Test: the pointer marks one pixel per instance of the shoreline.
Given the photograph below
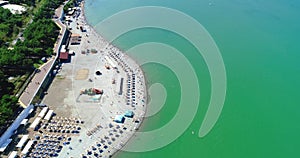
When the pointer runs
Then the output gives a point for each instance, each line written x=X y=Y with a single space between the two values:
x=94 y=84
x=131 y=58
x=92 y=32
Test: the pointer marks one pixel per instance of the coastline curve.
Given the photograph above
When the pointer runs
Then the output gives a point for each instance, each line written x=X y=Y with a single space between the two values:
x=187 y=27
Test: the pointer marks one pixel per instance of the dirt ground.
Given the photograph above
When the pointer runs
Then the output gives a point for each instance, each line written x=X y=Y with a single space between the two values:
x=82 y=74
x=59 y=90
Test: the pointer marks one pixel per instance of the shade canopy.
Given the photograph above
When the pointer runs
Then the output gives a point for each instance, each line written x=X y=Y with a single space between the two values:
x=119 y=119
x=129 y=113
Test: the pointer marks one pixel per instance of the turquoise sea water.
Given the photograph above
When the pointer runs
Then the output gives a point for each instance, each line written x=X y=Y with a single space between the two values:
x=259 y=42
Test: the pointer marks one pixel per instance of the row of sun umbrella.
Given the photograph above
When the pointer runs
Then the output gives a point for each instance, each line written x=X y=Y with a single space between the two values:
x=49 y=144
x=66 y=120
x=70 y=126
x=118 y=58
x=100 y=147
x=131 y=98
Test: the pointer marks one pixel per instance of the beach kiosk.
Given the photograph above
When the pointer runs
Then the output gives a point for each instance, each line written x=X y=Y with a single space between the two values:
x=119 y=119
x=63 y=54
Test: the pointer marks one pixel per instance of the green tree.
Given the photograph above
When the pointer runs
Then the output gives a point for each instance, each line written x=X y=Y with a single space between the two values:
x=9 y=24
x=27 y=2
x=7 y=106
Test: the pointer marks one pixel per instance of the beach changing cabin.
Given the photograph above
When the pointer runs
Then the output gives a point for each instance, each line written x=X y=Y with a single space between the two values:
x=35 y=123
x=13 y=154
x=27 y=147
x=22 y=141
x=43 y=112
x=49 y=115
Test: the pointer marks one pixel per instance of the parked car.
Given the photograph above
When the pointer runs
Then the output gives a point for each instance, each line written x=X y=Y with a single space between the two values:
x=41 y=105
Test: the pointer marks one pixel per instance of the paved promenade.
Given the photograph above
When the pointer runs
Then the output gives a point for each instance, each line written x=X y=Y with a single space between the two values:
x=34 y=85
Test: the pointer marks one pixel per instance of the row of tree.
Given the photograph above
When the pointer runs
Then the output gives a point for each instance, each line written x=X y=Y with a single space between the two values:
x=48 y=9
x=39 y=39
x=27 y=2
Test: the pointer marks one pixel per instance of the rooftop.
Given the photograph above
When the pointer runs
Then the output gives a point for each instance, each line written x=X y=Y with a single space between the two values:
x=14 y=8
x=64 y=55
